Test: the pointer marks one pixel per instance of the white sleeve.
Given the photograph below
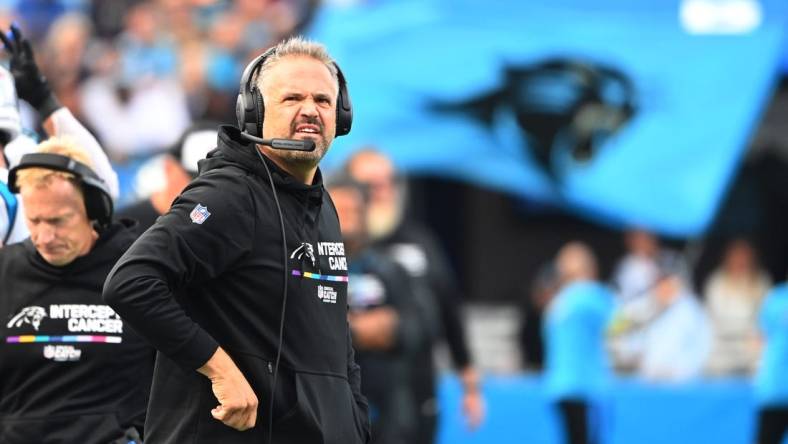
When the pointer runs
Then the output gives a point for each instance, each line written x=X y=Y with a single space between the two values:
x=15 y=230
x=17 y=148
x=19 y=229
x=67 y=125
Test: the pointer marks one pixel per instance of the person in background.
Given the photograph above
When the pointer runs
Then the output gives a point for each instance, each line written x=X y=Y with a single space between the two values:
x=666 y=335
x=771 y=380
x=387 y=324
x=733 y=295
x=25 y=79
x=13 y=145
x=125 y=104
x=176 y=169
x=63 y=54
x=577 y=368
x=636 y=272
x=415 y=248
x=71 y=370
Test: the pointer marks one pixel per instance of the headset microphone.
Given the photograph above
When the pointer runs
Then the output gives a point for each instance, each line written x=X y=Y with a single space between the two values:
x=282 y=144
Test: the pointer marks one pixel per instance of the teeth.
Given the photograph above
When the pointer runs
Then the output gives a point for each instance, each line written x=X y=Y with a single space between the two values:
x=307 y=130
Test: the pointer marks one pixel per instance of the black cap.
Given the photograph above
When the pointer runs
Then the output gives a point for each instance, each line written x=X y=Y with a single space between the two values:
x=194 y=144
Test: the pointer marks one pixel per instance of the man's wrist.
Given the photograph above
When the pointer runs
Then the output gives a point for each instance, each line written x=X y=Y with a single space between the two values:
x=215 y=364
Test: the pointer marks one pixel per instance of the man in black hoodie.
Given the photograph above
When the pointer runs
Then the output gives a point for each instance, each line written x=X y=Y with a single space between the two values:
x=242 y=285
x=70 y=369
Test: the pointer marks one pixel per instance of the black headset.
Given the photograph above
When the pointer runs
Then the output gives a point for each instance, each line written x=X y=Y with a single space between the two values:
x=250 y=109
x=98 y=201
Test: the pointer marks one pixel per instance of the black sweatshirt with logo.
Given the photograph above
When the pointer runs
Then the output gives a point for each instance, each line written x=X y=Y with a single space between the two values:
x=70 y=369
x=210 y=272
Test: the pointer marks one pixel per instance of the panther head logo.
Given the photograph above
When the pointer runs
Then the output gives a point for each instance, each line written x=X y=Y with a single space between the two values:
x=29 y=315
x=305 y=251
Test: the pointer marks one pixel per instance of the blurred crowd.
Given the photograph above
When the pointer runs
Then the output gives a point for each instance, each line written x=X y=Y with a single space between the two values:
x=113 y=62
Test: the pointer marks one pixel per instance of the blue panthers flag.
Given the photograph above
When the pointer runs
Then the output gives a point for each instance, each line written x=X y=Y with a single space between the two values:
x=488 y=92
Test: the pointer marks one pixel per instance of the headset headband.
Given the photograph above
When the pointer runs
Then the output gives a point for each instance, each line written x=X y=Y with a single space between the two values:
x=250 y=109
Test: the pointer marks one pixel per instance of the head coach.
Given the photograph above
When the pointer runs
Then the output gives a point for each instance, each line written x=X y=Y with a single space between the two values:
x=242 y=285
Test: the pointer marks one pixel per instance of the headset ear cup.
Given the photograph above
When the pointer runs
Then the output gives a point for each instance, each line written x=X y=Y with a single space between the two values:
x=344 y=115
x=98 y=204
x=246 y=116
x=240 y=113
x=259 y=110
x=91 y=206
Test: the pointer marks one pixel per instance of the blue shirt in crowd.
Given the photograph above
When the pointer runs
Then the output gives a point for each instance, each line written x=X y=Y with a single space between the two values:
x=771 y=382
x=576 y=363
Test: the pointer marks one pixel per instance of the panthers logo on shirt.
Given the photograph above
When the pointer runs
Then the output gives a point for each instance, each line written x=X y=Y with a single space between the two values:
x=29 y=315
x=305 y=251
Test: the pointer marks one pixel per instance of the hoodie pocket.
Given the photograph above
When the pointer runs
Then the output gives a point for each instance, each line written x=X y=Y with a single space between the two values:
x=299 y=424
x=259 y=374
x=326 y=412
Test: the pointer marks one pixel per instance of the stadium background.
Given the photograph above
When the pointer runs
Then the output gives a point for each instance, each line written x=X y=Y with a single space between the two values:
x=446 y=87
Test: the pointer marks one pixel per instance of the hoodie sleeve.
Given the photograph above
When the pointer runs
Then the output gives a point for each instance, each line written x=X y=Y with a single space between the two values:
x=204 y=233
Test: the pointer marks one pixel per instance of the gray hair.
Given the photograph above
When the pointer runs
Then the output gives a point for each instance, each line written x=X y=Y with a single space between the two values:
x=297 y=46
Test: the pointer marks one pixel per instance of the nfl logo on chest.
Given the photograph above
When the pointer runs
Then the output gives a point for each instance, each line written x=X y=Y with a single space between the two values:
x=199 y=214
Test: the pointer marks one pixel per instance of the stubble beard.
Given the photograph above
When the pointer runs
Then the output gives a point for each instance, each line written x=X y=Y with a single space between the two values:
x=307 y=158
x=304 y=158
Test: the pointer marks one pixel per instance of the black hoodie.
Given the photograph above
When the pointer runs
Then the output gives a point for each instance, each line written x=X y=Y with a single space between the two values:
x=70 y=369
x=210 y=272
